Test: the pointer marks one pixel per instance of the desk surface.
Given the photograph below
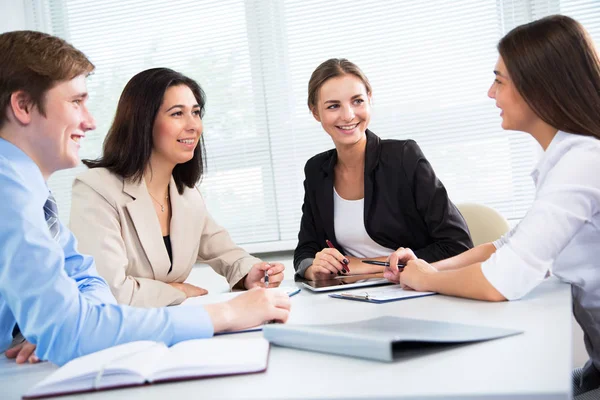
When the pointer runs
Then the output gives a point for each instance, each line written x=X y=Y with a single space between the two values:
x=535 y=364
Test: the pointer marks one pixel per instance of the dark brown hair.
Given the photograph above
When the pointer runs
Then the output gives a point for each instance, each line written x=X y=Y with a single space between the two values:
x=555 y=68
x=128 y=144
x=332 y=68
x=34 y=62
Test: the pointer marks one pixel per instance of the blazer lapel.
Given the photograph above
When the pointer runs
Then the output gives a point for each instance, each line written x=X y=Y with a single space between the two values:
x=147 y=226
x=372 y=154
x=325 y=200
x=185 y=229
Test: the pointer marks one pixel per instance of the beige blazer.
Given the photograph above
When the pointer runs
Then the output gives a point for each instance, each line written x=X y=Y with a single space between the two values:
x=115 y=222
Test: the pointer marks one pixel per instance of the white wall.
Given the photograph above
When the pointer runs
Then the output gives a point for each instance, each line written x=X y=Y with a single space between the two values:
x=12 y=15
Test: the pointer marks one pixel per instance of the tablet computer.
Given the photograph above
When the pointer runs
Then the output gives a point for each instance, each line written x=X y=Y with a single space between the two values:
x=344 y=282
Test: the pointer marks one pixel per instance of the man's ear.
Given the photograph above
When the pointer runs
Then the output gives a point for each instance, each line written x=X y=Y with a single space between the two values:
x=21 y=106
x=315 y=113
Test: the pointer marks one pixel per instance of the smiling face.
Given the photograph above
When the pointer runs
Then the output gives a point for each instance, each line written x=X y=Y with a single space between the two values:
x=344 y=109
x=516 y=113
x=55 y=143
x=177 y=127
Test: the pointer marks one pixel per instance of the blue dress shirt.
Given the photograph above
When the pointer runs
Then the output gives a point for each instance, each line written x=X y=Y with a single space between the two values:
x=54 y=293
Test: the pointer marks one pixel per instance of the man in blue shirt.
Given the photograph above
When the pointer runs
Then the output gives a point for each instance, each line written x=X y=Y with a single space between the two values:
x=48 y=291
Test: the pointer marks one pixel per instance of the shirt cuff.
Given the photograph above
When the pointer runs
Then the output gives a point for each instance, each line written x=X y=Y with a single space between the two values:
x=510 y=274
x=498 y=243
x=303 y=266
x=189 y=323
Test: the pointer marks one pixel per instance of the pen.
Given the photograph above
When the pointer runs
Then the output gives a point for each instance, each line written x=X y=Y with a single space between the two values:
x=266 y=278
x=346 y=262
x=382 y=263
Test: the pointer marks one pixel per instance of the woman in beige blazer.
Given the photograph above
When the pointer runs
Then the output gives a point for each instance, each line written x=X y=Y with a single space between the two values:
x=137 y=210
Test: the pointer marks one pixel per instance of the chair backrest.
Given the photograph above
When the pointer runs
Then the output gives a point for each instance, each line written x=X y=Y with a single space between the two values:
x=485 y=223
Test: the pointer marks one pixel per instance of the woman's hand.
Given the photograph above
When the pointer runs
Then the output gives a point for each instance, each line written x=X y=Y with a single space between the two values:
x=401 y=256
x=328 y=262
x=417 y=275
x=252 y=308
x=189 y=290
x=23 y=352
x=256 y=276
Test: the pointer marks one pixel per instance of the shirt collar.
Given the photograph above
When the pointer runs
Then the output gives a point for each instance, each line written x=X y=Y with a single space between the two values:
x=25 y=167
x=550 y=157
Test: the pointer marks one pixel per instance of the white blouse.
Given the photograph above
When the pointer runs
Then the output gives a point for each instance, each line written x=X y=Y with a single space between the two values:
x=350 y=232
x=560 y=233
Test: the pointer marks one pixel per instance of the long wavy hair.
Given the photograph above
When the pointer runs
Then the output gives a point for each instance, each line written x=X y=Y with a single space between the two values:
x=128 y=143
x=556 y=69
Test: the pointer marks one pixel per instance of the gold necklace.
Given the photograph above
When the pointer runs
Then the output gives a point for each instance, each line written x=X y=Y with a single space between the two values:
x=162 y=206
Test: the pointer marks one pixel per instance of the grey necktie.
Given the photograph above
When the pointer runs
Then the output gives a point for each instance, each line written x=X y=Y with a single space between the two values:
x=51 y=214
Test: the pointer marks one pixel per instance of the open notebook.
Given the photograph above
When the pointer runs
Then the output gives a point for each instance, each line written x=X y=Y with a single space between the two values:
x=142 y=362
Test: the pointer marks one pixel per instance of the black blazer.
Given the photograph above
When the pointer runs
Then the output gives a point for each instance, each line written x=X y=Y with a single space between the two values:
x=406 y=205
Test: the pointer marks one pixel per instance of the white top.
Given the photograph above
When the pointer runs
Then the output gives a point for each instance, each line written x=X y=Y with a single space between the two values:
x=349 y=228
x=559 y=234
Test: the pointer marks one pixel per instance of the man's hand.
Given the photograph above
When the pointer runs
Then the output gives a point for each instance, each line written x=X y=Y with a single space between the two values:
x=250 y=309
x=23 y=352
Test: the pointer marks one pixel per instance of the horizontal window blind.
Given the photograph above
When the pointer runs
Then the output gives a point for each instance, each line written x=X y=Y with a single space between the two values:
x=208 y=41
x=430 y=65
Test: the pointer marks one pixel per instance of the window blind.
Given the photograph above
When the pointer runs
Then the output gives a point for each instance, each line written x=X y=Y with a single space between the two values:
x=430 y=65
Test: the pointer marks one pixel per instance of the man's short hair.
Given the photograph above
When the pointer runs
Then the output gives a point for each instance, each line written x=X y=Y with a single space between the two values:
x=35 y=62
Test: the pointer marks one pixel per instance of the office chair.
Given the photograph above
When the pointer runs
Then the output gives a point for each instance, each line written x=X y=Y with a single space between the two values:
x=485 y=223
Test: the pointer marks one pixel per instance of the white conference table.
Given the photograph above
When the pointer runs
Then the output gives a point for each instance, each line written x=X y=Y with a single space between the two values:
x=532 y=365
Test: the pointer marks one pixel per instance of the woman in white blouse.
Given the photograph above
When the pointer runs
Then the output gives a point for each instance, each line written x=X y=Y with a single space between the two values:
x=548 y=85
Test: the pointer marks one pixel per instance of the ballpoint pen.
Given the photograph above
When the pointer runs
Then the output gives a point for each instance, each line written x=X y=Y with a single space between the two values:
x=346 y=262
x=266 y=278
x=382 y=263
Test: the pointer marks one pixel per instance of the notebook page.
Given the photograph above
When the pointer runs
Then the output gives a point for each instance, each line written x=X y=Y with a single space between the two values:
x=143 y=363
x=388 y=293
x=81 y=373
x=222 y=297
x=216 y=356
